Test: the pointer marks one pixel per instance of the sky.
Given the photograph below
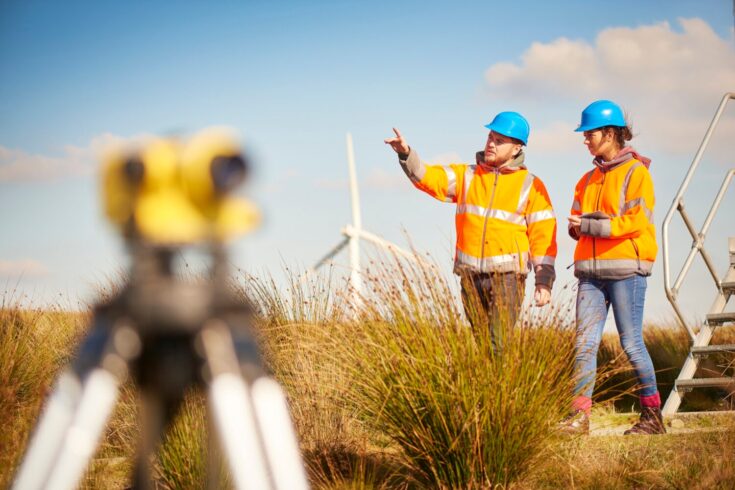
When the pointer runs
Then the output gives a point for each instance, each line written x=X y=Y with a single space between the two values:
x=294 y=77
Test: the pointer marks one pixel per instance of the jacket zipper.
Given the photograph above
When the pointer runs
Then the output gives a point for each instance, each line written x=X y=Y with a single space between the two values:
x=487 y=213
x=594 y=244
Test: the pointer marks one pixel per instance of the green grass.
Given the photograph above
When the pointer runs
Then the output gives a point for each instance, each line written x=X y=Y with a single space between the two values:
x=462 y=415
x=668 y=348
x=700 y=460
x=402 y=394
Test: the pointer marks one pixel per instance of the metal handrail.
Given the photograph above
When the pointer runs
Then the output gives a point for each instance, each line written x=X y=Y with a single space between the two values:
x=698 y=237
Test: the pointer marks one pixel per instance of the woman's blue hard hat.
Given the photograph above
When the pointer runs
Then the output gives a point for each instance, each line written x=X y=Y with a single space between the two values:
x=601 y=113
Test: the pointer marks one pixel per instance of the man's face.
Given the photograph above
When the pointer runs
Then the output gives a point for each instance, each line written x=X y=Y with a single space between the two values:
x=499 y=149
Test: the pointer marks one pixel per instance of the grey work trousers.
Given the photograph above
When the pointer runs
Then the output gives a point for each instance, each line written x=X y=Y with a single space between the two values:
x=492 y=301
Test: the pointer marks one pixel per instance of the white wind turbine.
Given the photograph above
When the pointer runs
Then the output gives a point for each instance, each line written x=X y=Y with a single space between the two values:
x=353 y=232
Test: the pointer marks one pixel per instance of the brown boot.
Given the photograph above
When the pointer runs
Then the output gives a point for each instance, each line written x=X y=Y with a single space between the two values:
x=576 y=423
x=651 y=422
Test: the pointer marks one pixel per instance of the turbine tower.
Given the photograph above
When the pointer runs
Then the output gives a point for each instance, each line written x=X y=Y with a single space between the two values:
x=353 y=232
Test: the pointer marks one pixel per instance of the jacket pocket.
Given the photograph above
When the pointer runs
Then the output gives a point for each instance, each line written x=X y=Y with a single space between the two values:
x=637 y=254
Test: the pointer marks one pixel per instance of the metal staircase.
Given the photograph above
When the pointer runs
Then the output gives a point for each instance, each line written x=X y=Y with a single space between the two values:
x=717 y=315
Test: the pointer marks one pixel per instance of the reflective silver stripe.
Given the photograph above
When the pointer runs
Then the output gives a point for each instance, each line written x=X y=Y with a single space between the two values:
x=525 y=192
x=514 y=218
x=540 y=216
x=586 y=183
x=626 y=182
x=638 y=201
x=451 y=183
x=613 y=267
x=628 y=205
x=576 y=206
x=469 y=173
x=495 y=263
x=471 y=209
x=543 y=260
x=500 y=214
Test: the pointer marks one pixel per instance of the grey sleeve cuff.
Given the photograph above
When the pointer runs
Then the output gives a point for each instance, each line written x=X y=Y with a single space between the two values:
x=596 y=227
x=545 y=275
x=412 y=166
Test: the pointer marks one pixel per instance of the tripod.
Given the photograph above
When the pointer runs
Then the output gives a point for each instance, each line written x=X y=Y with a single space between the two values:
x=169 y=335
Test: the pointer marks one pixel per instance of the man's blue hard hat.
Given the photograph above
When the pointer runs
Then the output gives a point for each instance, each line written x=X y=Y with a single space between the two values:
x=512 y=125
x=601 y=113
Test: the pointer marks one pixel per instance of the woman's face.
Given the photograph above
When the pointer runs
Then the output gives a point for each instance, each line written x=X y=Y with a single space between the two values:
x=599 y=142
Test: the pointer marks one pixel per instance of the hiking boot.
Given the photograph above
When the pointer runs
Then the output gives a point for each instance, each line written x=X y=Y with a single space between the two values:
x=576 y=423
x=651 y=422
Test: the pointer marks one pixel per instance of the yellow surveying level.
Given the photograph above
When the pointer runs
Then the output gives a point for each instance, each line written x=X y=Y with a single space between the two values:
x=167 y=333
x=173 y=192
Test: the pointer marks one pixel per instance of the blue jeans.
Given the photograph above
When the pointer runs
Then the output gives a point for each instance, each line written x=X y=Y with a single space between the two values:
x=594 y=298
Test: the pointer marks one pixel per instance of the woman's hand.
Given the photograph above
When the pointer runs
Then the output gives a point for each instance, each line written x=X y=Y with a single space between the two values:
x=575 y=224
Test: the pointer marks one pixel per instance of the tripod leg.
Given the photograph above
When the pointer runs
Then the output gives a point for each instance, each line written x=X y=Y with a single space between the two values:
x=95 y=406
x=56 y=418
x=233 y=412
x=156 y=416
x=271 y=419
x=279 y=438
x=63 y=406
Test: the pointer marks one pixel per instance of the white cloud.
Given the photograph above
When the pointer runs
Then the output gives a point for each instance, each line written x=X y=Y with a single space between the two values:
x=22 y=268
x=17 y=165
x=669 y=81
x=379 y=178
x=557 y=138
x=446 y=159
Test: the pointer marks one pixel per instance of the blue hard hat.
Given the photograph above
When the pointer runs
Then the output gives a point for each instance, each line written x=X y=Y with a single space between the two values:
x=601 y=113
x=510 y=124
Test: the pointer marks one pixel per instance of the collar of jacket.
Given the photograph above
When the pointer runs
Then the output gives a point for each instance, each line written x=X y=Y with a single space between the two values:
x=625 y=155
x=508 y=167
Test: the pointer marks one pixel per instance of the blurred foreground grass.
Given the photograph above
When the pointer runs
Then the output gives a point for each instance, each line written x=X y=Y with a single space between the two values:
x=401 y=394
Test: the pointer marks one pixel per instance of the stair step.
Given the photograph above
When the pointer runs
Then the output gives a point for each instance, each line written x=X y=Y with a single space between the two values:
x=720 y=318
x=728 y=287
x=705 y=382
x=712 y=349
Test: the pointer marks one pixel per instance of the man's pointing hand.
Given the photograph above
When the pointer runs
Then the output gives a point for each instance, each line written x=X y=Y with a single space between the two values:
x=398 y=144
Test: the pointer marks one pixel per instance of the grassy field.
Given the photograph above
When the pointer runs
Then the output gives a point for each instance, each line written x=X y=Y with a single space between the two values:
x=403 y=394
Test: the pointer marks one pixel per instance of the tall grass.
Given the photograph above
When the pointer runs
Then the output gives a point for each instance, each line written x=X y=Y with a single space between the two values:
x=462 y=415
x=398 y=393
x=298 y=329
x=183 y=457
x=33 y=345
x=668 y=348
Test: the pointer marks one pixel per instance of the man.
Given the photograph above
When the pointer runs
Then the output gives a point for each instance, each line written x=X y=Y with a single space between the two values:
x=505 y=222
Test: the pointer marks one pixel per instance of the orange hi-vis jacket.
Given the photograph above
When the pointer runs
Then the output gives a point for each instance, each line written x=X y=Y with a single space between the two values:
x=504 y=218
x=617 y=237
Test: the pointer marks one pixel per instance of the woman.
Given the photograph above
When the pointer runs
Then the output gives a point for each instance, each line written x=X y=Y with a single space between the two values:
x=612 y=220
